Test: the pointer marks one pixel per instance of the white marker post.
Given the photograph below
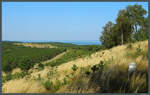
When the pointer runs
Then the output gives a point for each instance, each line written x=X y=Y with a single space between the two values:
x=131 y=69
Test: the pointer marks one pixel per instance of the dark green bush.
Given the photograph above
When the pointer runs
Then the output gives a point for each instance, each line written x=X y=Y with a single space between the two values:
x=74 y=67
x=7 y=77
x=48 y=84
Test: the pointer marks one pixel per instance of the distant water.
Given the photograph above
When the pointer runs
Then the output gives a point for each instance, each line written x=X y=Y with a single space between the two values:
x=72 y=42
x=83 y=42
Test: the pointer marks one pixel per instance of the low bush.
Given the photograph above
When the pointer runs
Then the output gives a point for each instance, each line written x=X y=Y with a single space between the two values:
x=49 y=85
x=7 y=77
x=18 y=75
x=40 y=66
x=74 y=67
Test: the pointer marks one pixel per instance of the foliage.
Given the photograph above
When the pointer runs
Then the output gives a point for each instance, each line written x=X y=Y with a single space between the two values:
x=40 y=66
x=98 y=66
x=74 y=67
x=64 y=81
x=9 y=76
x=49 y=85
x=25 y=57
x=131 y=25
x=74 y=53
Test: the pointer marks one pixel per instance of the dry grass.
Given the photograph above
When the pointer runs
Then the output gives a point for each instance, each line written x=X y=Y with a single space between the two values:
x=23 y=86
x=115 y=58
x=16 y=70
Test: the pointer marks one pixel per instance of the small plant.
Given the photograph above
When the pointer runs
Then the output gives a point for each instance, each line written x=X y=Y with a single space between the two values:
x=7 y=77
x=39 y=77
x=40 y=66
x=48 y=84
x=67 y=76
x=64 y=81
x=97 y=67
x=74 y=67
x=56 y=86
x=18 y=75
x=87 y=72
x=138 y=49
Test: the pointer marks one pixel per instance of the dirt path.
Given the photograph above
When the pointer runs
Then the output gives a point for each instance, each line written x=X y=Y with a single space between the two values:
x=58 y=56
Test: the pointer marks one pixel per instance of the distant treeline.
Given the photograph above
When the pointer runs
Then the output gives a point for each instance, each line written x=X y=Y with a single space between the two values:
x=131 y=26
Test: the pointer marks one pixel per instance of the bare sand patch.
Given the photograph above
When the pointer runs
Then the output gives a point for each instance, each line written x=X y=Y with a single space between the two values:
x=36 y=45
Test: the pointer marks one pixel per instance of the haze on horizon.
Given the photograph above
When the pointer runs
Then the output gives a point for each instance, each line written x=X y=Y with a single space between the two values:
x=58 y=21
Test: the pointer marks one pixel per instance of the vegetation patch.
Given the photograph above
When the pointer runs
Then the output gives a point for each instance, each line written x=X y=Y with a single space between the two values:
x=25 y=57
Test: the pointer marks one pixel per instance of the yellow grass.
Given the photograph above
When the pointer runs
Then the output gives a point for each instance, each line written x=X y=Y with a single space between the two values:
x=118 y=54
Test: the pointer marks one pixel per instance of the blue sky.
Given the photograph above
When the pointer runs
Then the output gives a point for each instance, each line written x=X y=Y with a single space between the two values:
x=57 y=21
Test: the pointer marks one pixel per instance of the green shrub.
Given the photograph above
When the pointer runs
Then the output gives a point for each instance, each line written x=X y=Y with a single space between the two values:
x=138 y=49
x=74 y=67
x=97 y=67
x=40 y=66
x=64 y=81
x=48 y=84
x=18 y=75
x=56 y=86
x=7 y=77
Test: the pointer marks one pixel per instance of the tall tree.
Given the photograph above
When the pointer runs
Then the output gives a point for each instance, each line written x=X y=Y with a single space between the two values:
x=136 y=15
x=124 y=25
x=131 y=25
x=106 y=38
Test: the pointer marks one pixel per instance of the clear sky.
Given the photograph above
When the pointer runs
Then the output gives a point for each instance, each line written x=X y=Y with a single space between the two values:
x=57 y=21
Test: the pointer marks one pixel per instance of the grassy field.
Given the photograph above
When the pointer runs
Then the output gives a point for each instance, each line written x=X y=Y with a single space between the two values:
x=82 y=69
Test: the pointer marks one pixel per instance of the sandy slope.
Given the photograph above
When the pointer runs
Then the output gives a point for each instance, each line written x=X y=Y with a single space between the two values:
x=23 y=85
x=36 y=45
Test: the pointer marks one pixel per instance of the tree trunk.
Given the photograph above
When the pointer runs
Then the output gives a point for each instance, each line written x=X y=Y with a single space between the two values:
x=122 y=37
x=135 y=28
